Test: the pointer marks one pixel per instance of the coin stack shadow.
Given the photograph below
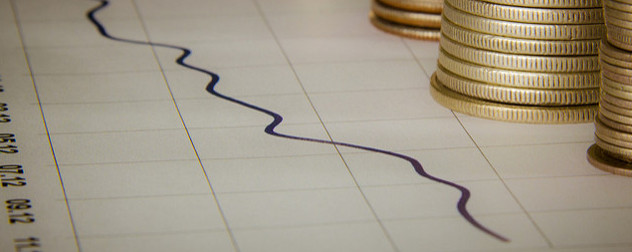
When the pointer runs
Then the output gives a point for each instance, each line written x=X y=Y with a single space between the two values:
x=612 y=151
x=529 y=61
x=418 y=19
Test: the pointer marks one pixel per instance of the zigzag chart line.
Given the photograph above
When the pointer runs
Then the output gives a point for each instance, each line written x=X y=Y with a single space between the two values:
x=277 y=119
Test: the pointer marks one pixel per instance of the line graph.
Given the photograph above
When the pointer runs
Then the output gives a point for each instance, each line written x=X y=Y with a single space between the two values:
x=277 y=120
x=269 y=125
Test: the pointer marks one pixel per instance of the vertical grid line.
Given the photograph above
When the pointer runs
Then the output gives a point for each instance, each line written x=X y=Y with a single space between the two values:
x=155 y=55
x=355 y=182
x=39 y=103
x=428 y=75
x=524 y=210
x=540 y=231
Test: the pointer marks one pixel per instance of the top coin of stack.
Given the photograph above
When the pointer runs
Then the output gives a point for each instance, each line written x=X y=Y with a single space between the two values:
x=532 y=61
x=613 y=126
x=418 y=19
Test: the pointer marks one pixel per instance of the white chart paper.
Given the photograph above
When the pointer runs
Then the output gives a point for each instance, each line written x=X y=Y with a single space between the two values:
x=269 y=125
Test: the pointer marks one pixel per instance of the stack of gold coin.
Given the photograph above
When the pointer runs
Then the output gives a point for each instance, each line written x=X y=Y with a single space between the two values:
x=613 y=127
x=531 y=61
x=419 y=19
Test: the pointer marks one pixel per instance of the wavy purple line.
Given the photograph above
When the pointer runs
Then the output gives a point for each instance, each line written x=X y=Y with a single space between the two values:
x=277 y=119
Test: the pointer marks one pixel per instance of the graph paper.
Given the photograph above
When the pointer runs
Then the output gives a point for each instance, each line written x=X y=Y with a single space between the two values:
x=269 y=125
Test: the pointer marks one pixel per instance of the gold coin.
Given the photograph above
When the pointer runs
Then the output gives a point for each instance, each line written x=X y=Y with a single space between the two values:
x=512 y=113
x=605 y=105
x=616 y=101
x=616 y=90
x=617 y=5
x=518 y=46
x=404 y=30
x=614 y=141
x=611 y=12
x=612 y=135
x=427 y=20
x=523 y=30
x=615 y=52
x=565 y=4
x=615 y=86
x=617 y=78
x=610 y=20
x=615 y=56
x=529 y=15
x=606 y=66
x=612 y=116
x=428 y=6
x=623 y=1
x=614 y=124
x=620 y=37
x=614 y=150
x=519 y=79
x=520 y=62
x=520 y=96
x=602 y=160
